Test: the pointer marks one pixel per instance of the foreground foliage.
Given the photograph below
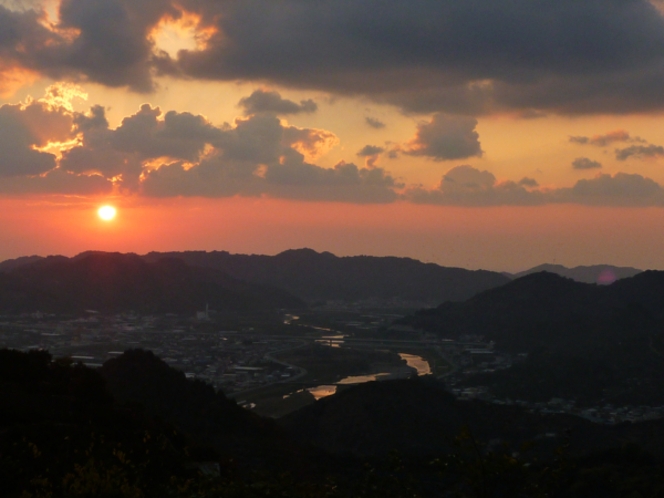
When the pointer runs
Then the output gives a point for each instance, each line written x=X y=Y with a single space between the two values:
x=63 y=435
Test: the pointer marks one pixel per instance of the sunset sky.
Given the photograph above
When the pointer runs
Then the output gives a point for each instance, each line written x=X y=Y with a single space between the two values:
x=479 y=133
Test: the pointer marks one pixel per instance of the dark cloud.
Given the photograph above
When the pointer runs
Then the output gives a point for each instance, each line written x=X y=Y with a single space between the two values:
x=532 y=114
x=585 y=163
x=262 y=101
x=446 y=138
x=173 y=154
x=606 y=139
x=468 y=186
x=146 y=135
x=112 y=45
x=370 y=150
x=528 y=182
x=426 y=55
x=622 y=189
x=374 y=123
x=104 y=41
x=479 y=56
x=57 y=181
x=24 y=168
x=24 y=128
x=177 y=135
x=96 y=153
x=292 y=178
x=640 y=152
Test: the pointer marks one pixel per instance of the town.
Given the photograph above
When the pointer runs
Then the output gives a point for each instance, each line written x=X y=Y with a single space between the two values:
x=254 y=356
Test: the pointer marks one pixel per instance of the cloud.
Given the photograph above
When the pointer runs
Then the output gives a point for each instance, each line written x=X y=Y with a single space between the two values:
x=622 y=189
x=310 y=142
x=468 y=186
x=271 y=102
x=143 y=136
x=566 y=56
x=425 y=56
x=172 y=154
x=532 y=114
x=158 y=153
x=371 y=153
x=179 y=135
x=292 y=178
x=370 y=150
x=606 y=139
x=374 y=123
x=640 y=152
x=26 y=128
x=57 y=181
x=585 y=163
x=528 y=182
x=446 y=138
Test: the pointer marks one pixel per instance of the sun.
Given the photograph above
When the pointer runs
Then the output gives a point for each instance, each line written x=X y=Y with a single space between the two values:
x=107 y=213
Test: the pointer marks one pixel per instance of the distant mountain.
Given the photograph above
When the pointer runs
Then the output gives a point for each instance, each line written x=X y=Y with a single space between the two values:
x=314 y=276
x=112 y=282
x=595 y=274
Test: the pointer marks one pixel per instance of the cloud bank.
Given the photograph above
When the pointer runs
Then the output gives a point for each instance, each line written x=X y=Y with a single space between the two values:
x=475 y=57
x=468 y=186
x=49 y=148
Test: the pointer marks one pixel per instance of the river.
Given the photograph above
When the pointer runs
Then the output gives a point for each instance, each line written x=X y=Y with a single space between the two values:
x=417 y=362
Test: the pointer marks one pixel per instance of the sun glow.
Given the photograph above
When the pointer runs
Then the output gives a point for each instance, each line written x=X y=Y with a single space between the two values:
x=183 y=32
x=107 y=213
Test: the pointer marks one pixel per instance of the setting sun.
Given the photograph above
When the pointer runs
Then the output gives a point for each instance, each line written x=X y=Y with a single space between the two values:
x=107 y=213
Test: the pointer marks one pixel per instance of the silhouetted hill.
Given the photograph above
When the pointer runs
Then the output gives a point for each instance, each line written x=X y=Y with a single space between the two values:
x=594 y=274
x=139 y=377
x=544 y=309
x=599 y=343
x=111 y=282
x=141 y=380
x=316 y=276
x=417 y=417
x=57 y=419
x=62 y=434
x=12 y=264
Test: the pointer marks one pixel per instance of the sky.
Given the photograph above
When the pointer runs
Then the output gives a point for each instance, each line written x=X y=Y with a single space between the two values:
x=488 y=134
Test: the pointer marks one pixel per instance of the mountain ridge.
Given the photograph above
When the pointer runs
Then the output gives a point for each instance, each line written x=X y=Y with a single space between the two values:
x=593 y=274
x=314 y=276
x=112 y=282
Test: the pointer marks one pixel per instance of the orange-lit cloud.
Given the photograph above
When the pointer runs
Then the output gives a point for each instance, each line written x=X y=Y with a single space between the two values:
x=311 y=143
x=14 y=78
x=606 y=139
x=181 y=30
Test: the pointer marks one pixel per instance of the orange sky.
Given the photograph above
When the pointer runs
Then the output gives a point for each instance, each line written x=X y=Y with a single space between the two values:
x=481 y=163
x=499 y=238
